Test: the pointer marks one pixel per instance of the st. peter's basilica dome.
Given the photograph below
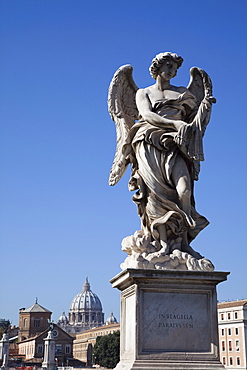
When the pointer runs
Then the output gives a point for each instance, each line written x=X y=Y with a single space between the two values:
x=85 y=310
x=85 y=300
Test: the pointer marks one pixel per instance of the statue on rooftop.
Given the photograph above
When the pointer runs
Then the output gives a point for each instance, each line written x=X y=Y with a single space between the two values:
x=160 y=131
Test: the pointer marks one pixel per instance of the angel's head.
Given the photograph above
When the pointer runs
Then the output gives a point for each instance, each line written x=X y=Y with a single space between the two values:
x=160 y=59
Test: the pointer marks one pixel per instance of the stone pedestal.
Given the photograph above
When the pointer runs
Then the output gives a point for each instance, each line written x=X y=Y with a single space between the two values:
x=168 y=319
x=4 y=351
x=49 y=352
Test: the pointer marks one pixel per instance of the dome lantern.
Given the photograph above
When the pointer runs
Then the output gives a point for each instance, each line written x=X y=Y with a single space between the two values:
x=86 y=286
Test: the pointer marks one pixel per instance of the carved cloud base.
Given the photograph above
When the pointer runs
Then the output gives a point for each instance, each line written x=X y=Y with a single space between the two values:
x=177 y=260
x=168 y=319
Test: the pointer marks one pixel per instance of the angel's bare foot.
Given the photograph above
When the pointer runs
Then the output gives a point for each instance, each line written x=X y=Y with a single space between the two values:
x=159 y=256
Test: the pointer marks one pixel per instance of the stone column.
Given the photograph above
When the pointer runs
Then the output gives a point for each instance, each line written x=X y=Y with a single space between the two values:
x=4 y=351
x=49 y=352
x=168 y=319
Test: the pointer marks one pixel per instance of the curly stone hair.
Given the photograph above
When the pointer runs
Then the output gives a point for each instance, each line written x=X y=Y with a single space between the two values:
x=159 y=60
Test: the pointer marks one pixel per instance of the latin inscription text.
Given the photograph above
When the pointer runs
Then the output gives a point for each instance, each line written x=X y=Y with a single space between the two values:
x=167 y=323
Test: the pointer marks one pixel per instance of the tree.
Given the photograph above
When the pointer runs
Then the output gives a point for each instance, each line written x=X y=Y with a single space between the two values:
x=106 y=350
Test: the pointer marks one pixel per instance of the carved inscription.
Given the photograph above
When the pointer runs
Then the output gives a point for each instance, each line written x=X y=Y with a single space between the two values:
x=171 y=320
x=174 y=321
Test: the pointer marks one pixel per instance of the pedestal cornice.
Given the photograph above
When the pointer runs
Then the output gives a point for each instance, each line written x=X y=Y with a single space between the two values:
x=132 y=276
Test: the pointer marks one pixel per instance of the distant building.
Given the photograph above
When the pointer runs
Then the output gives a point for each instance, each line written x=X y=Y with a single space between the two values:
x=33 y=328
x=86 y=321
x=33 y=347
x=85 y=312
x=63 y=322
x=111 y=319
x=84 y=342
x=32 y=321
x=232 y=319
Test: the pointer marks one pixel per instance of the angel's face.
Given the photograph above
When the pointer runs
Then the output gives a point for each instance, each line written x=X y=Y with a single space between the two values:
x=168 y=69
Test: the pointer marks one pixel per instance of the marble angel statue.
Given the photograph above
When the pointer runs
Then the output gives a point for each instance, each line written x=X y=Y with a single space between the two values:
x=159 y=133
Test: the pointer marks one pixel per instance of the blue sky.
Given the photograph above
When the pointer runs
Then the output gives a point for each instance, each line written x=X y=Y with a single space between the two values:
x=59 y=220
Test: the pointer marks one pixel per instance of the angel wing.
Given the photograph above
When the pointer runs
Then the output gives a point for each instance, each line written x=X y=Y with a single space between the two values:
x=200 y=86
x=123 y=111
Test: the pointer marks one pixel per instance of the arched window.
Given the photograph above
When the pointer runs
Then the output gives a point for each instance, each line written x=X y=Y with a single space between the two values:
x=230 y=345
x=40 y=348
x=223 y=345
x=237 y=345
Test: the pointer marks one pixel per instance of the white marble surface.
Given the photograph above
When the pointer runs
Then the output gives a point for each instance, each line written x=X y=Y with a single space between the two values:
x=175 y=322
x=168 y=319
x=164 y=148
x=130 y=320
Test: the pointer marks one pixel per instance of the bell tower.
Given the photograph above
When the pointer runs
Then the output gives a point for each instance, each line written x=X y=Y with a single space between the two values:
x=33 y=320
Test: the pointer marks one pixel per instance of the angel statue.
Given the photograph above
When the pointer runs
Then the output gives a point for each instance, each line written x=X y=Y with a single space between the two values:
x=159 y=133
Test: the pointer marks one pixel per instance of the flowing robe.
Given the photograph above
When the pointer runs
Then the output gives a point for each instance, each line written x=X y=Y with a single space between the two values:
x=154 y=153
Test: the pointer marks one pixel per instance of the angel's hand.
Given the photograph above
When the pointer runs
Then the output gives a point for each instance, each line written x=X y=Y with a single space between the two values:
x=178 y=124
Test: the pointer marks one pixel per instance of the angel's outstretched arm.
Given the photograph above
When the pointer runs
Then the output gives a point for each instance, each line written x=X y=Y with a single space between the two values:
x=145 y=111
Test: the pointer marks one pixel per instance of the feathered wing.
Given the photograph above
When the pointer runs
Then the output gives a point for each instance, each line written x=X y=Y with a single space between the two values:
x=200 y=86
x=123 y=111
